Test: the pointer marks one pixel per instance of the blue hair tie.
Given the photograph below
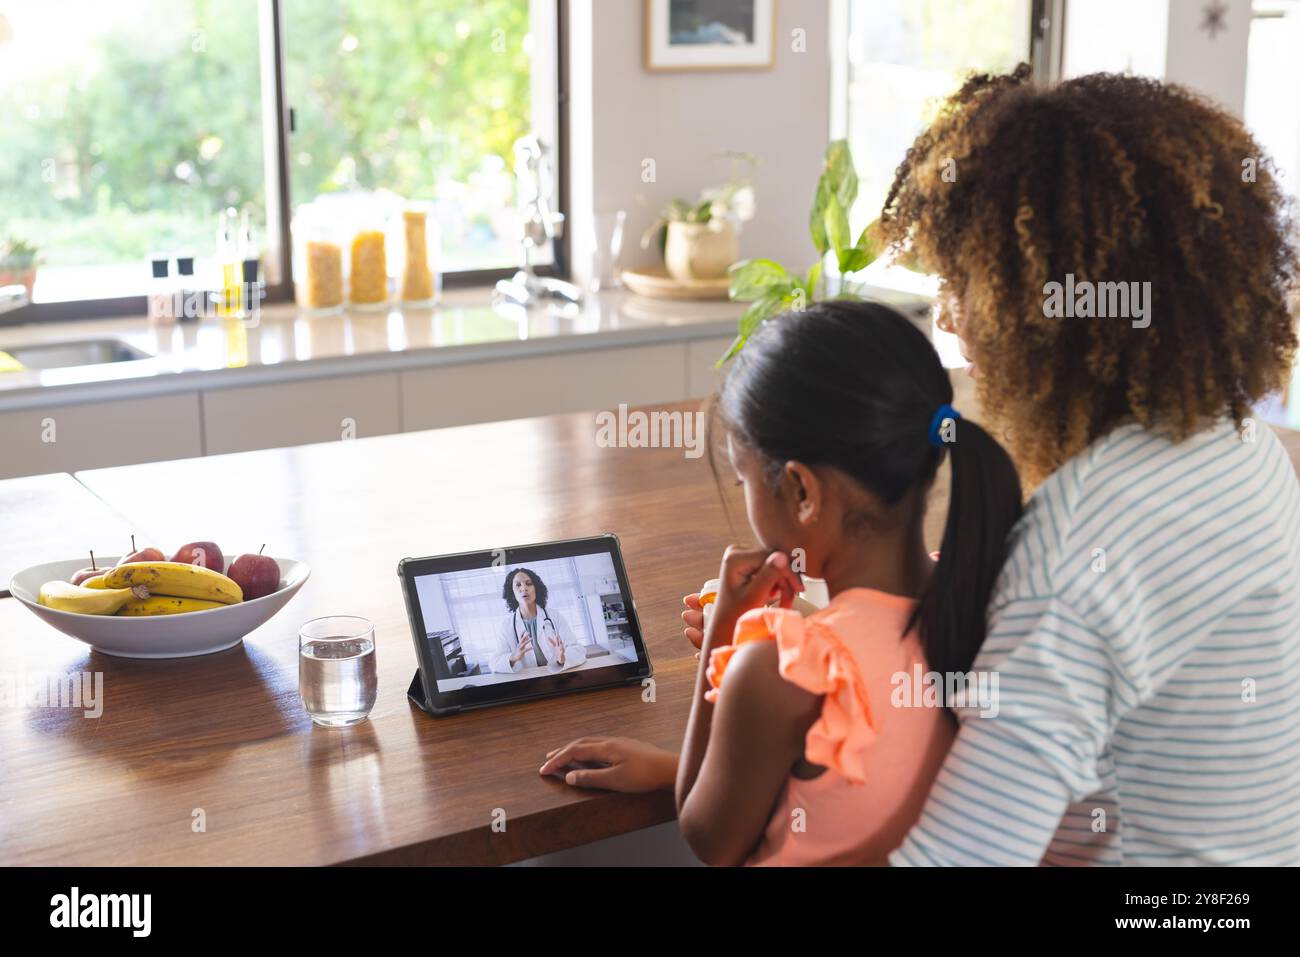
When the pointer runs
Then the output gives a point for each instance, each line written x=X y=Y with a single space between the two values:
x=936 y=423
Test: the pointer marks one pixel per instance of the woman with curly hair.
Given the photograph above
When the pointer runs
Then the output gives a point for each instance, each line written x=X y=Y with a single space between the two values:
x=1144 y=631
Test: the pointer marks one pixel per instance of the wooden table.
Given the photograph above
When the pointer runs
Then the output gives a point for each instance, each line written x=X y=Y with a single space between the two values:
x=224 y=737
x=47 y=518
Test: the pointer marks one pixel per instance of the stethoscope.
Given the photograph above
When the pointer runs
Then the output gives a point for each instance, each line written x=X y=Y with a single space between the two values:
x=547 y=621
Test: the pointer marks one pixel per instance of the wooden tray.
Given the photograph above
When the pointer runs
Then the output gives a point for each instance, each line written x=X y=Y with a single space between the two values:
x=655 y=283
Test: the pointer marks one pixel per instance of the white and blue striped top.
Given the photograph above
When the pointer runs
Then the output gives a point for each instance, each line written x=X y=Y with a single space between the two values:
x=1145 y=636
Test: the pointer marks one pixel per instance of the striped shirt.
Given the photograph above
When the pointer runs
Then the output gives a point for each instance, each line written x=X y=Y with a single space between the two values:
x=1145 y=637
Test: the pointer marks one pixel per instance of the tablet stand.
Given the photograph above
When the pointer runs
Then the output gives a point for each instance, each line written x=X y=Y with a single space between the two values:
x=416 y=693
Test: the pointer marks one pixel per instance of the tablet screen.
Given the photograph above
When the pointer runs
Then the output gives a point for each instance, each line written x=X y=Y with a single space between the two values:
x=525 y=615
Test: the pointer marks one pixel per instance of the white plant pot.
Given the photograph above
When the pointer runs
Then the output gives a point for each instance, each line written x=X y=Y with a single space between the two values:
x=701 y=250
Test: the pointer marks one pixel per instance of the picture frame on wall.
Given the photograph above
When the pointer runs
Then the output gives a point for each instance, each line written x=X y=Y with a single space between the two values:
x=710 y=35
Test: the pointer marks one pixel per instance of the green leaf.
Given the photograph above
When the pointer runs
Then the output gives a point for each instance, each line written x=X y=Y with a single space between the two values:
x=759 y=311
x=869 y=242
x=841 y=174
x=863 y=253
x=753 y=278
x=817 y=218
x=736 y=345
x=852 y=291
x=813 y=277
x=837 y=226
x=851 y=260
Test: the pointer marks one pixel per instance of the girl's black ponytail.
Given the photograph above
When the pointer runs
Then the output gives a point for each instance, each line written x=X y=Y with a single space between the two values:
x=984 y=504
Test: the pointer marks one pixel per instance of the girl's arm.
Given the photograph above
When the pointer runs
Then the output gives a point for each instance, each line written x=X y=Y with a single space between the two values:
x=747 y=579
x=753 y=740
x=724 y=821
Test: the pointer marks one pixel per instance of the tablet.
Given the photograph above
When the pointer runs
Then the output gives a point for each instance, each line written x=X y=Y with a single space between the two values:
x=509 y=624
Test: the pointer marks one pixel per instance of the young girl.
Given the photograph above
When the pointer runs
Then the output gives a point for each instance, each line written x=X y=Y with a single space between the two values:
x=800 y=748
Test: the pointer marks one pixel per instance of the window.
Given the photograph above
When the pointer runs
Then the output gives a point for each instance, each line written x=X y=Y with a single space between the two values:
x=1272 y=79
x=901 y=58
x=126 y=127
x=422 y=97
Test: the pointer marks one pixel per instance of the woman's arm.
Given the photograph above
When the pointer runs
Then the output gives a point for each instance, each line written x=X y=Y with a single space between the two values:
x=501 y=662
x=574 y=652
x=756 y=735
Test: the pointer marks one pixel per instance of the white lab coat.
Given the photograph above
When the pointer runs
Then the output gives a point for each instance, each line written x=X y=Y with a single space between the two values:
x=513 y=629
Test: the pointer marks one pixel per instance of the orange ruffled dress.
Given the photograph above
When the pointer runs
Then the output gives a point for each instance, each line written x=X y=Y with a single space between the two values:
x=880 y=757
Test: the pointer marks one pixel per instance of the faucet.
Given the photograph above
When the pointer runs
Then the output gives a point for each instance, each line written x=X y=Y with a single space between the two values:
x=540 y=224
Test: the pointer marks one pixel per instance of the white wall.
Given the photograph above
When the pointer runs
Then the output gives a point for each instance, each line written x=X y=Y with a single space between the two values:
x=620 y=115
x=1215 y=66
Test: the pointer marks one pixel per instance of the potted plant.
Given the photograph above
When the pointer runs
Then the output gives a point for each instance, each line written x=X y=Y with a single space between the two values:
x=18 y=261
x=699 y=240
x=770 y=288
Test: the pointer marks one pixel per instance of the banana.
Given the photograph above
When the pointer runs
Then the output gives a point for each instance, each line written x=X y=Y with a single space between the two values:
x=175 y=579
x=65 y=596
x=96 y=582
x=165 y=605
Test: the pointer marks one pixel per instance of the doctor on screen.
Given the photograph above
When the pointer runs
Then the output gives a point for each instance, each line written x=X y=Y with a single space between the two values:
x=530 y=636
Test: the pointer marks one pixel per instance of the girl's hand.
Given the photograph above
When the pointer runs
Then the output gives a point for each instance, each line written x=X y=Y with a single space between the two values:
x=693 y=619
x=752 y=578
x=613 y=764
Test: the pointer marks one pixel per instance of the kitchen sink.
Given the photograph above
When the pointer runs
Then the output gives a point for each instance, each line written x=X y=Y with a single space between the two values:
x=85 y=352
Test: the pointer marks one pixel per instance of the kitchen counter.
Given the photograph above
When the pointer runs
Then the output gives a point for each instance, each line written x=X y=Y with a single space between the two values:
x=286 y=344
x=292 y=378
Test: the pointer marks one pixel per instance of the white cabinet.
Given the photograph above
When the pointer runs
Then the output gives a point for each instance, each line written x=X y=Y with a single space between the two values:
x=590 y=380
x=67 y=438
x=702 y=379
x=129 y=431
x=298 y=413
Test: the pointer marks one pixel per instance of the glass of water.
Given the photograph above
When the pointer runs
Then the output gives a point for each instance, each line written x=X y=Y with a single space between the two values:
x=337 y=680
x=607 y=250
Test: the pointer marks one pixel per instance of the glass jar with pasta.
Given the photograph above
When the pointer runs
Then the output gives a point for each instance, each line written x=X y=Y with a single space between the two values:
x=421 y=278
x=317 y=261
x=368 y=280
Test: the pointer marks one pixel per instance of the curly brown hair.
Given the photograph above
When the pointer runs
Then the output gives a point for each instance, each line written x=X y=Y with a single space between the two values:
x=1113 y=179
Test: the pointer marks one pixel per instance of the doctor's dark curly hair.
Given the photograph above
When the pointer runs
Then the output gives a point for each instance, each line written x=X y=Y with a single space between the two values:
x=508 y=590
x=1113 y=179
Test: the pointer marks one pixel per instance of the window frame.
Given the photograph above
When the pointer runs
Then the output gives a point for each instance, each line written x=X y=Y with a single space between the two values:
x=277 y=119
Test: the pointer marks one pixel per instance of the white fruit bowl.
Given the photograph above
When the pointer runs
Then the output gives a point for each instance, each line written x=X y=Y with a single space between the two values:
x=161 y=636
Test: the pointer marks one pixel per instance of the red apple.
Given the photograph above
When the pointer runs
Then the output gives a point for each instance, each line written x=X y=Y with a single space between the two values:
x=203 y=554
x=143 y=555
x=85 y=574
x=256 y=575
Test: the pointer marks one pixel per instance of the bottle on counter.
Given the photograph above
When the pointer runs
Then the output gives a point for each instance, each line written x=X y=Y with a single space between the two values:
x=161 y=306
x=251 y=266
x=191 y=302
x=230 y=298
